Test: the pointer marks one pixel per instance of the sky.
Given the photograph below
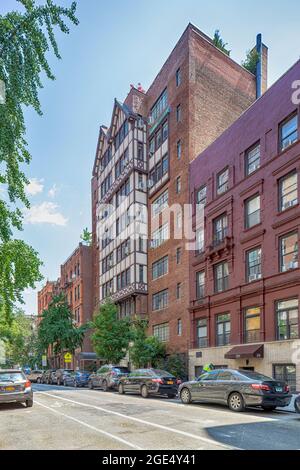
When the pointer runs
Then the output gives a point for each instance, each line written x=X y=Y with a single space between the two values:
x=118 y=43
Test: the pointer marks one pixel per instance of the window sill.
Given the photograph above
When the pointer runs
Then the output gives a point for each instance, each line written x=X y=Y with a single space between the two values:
x=246 y=230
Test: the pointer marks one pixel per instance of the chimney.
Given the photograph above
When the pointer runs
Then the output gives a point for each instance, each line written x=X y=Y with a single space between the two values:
x=261 y=67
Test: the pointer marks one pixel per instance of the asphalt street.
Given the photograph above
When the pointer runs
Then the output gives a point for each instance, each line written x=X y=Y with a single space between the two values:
x=66 y=418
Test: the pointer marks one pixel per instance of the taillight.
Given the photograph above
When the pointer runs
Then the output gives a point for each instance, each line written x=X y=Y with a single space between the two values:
x=157 y=381
x=263 y=387
x=27 y=384
x=287 y=388
x=178 y=381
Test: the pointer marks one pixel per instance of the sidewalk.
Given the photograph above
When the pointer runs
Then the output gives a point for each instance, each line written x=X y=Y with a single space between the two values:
x=291 y=407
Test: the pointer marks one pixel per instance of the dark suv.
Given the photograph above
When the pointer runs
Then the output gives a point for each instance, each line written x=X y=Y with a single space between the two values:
x=107 y=377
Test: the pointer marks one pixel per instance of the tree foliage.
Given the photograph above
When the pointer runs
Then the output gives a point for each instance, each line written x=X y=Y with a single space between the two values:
x=57 y=328
x=25 y=39
x=146 y=350
x=219 y=43
x=86 y=237
x=252 y=57
x=111 y=335
x=174 y=364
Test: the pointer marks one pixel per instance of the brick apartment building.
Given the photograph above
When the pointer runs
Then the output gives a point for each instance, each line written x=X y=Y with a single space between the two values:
x=244 y=273
x=77 y=284
x=196 y=95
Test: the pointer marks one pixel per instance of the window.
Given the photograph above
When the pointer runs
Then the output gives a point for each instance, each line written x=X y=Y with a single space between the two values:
x=160 y=235
x=160 y=300
x=121 y=134
x=288 y=132
x=165 y=131
x=253 y=265
x=160 y=267
x=123 y=250
x=160 y=203
x=106 y=185
x=152 y=147
x=252 y=211
x=123 y=279
x=141 y=273
x=286 y=373
x=201 y=197
x=178 y=77
x=159 y=107
x=287 y=319
x=200 y=285
x=179 y=327
x=221 y=274
x=202 y=336
x=220 y=226
x=179 y=149
x=252 y=325
x=252 y=162
x=199 y=241
x=158 y=139
x=140 y=151
x=223 y=182
x=288 y=191
x=122 y=192
x=160 y=169
x=178 y=113
x=178 y=185
x=289 y=252
x=178 y=290
x=223 y=329
x=178 y=255
x=107 y=289
x=162 y=332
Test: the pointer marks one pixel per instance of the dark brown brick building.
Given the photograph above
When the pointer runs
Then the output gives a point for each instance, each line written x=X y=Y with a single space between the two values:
x=244 y=273
x=197 y=94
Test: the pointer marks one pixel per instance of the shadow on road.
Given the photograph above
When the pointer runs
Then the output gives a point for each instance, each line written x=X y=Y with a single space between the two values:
x=271 y=435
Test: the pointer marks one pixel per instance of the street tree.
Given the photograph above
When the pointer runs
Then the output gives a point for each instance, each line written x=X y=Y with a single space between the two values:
x=146 y=351
x=25 y=39
x=57 y=328
x=111 y=335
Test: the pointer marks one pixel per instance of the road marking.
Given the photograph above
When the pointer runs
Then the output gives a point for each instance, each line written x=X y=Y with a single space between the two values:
x=116 y=438
x=142 y=421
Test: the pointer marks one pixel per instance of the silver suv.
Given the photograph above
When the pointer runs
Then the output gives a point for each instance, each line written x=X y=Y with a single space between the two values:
x=15 y=387
x=107 y=377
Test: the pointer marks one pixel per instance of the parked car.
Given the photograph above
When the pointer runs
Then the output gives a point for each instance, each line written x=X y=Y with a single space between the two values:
x=35 y=376
x=107 y=377
x=47 y=376
x=80 y=378
x=15 y=387
x=149 y=382
x=59 y=376
x=237 y=389
x=297 y=404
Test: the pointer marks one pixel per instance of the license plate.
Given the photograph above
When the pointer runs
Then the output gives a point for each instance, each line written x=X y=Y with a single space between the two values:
x=279 y=389
x=170 y=382
x=10 y=389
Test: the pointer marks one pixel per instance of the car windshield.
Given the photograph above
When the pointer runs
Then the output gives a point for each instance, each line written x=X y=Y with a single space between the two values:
x=11 y=377
x=162 y=373
x=255 y=375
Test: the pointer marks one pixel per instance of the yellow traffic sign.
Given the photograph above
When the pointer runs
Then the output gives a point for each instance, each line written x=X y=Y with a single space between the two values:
x=68 y=358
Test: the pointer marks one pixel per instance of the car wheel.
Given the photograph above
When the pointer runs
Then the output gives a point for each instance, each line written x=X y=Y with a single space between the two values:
x=90 y=385
x=121 y=389
x=104 y=386
x=185 y=396
x=236 y=402
x=29 y=403
x=65 y=383
x=269 y=408
x=144 y=391
x=171 y=396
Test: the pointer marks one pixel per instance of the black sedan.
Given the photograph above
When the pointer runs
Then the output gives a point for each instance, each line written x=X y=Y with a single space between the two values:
x=149 y=382
x=237 y=389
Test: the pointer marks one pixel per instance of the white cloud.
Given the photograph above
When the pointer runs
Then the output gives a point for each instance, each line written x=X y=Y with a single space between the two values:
x=52 y=191
x=45 y=213
x=35 y=186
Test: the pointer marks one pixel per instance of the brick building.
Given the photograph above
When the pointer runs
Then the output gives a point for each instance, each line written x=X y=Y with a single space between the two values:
x=196 y=95
x=76 y=283
x=244 y=273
